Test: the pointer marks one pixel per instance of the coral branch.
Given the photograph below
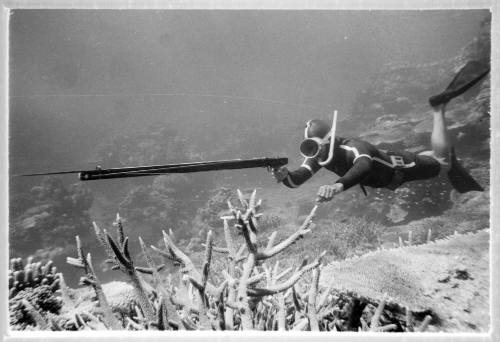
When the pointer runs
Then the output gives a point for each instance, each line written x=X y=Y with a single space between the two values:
x=91 y=279
x=229 y=275
x=208 y=260
x=248 y=234
x=162 y=314
x=216 y=249
x=323 y=299
x=387 y=327
x=270 y=241
x=120 y=252
x=242 y=297
x=424 y=324
x=301 y=325
x=281 y=312
x=273 y=289
x=121 y=233
x=303 y=230
x=243 y=202
x=409 y=319
x=175 y=253
x=378 y=313
x=151 y=266
x=311 y=304
x=101 y=237
x=122 y=259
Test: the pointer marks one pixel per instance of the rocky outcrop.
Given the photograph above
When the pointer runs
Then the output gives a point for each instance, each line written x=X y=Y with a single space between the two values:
x=395 y=101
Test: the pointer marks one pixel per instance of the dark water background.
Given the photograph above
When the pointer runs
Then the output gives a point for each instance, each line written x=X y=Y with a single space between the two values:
x=59 y=59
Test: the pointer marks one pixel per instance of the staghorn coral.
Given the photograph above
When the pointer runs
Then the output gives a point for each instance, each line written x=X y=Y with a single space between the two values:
x=247 y=293
x=120 y=258
x=90 y=279
x=199 y=300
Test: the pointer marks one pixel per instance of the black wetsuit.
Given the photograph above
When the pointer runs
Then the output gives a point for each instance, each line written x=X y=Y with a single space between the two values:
x=359 y=162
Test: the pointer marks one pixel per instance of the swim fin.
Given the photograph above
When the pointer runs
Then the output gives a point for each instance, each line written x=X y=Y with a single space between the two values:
x=459 y=178
x=465 y=79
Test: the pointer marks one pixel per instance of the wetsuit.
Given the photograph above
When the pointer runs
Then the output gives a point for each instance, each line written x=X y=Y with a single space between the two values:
x=359 y=162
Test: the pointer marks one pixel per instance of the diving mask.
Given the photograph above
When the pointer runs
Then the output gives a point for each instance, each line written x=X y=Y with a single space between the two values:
x=310 y=147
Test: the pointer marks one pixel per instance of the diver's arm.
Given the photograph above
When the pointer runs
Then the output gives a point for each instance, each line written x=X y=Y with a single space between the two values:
x=297 y=177
x=359 y=171
x=359 y=154
x=326 y=192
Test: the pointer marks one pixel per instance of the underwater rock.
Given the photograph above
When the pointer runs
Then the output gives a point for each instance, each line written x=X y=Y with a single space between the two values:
x=377 y=108
x=402 y=91
x=400 y=105
x=413 y=276
x=396 y=213
x=120 y=295
x=34 y=221
x=387 y=129
x=472 y=202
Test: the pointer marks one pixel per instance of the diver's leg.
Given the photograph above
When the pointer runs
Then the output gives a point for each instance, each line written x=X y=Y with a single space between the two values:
x=469 y=75
x=440 y=139
x=442 y=149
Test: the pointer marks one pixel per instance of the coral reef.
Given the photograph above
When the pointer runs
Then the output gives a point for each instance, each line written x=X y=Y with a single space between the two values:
x=32 y=292
x=28 y=307
x=448 y=277
x=216 y=206
x=151 y=146
x=149 y=206
x=49 y=216
x=31 y=275
x=243 y=292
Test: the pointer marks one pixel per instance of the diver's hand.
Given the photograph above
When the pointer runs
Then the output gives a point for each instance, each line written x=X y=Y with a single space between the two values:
x=326 y=192
x=280 y=174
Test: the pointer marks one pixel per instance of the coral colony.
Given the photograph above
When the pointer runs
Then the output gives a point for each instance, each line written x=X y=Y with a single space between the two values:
x=252 y=293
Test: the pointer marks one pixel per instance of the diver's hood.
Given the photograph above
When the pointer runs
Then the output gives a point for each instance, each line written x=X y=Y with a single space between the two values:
x=311 y=146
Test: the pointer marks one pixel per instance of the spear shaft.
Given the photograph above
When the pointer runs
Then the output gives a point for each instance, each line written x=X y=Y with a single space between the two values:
x=151 y=170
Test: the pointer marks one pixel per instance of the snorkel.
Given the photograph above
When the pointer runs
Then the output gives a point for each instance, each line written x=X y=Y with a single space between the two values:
x=332 y=140
x=311 y=147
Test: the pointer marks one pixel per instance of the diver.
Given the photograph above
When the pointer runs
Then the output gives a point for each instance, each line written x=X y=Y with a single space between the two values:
x=359 y=162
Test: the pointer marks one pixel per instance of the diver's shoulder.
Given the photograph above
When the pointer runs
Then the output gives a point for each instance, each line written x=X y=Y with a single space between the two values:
x=355 y=141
